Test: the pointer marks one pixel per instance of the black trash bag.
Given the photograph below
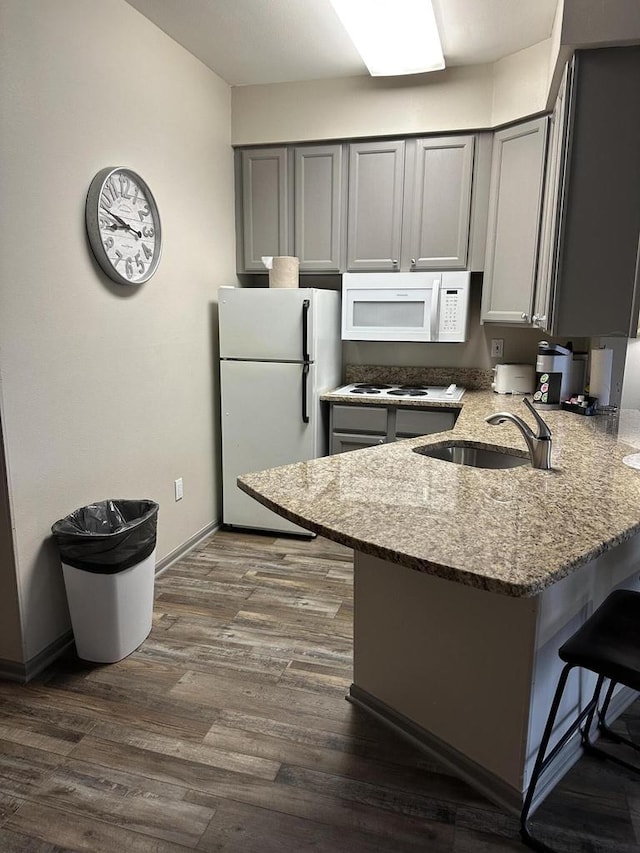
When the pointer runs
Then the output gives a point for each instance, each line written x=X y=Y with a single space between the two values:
x=108 y=536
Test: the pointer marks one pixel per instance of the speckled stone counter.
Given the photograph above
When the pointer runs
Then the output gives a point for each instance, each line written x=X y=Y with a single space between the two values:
x=460 y=653
x=514 y=531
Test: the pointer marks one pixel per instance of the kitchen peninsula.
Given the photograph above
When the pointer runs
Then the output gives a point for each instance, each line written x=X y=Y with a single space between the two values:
x=468 y=580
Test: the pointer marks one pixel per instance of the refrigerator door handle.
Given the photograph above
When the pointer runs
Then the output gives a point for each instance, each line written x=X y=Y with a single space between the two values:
x=305 y=374
x=305 y=330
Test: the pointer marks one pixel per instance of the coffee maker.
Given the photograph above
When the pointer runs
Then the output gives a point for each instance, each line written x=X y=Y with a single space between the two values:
x=553 y=375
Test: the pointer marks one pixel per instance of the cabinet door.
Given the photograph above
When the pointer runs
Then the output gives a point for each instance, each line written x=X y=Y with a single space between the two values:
x=598 y=269
x=414 y=422
x=517 y=173
x=318 y=207
x=265 y=222
x=436 y=235
x=376 y=175
x=551 y=211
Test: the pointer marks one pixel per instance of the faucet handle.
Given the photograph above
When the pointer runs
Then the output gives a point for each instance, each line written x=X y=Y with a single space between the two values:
x=543 y=430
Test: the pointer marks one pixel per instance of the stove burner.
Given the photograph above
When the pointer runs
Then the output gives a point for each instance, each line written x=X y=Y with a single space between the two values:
x=407 y=392
x=414 y=386
x=366 y=390
x=372 y=386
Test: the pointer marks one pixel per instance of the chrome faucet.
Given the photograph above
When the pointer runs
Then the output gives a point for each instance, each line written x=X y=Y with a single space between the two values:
x=539 y=445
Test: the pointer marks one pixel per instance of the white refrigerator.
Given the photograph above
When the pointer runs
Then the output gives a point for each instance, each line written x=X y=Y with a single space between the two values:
x=280 y=349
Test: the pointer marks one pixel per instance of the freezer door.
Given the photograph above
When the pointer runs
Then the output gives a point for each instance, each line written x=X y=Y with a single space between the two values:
x=266 y=323
x=262 y=427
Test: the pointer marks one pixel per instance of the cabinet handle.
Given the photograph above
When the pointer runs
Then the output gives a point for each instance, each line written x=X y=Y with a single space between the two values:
x=525 y=317
x=413 y=262
x=395 y=263
x=381 y=441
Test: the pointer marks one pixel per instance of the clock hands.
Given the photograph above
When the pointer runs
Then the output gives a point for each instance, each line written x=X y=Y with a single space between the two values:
x=122 y=224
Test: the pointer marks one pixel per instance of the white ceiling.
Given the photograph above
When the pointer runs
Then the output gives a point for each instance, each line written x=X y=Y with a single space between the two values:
x=273 y=41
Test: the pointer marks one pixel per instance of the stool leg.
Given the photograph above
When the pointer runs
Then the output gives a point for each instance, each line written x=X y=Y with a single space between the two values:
x=602 y=722
x=541 y=763
x=543 y=760
x=593 y=706
x=602 y=714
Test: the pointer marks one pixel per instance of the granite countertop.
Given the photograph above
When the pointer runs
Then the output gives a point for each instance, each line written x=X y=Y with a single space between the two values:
x=513 y=531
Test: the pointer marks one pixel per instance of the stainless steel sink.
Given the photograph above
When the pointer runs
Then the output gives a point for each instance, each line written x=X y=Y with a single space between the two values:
x=477 y=457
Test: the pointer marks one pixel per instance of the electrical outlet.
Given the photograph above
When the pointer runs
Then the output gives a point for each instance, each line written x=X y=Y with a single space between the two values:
x=177 y=486
x=497 y=347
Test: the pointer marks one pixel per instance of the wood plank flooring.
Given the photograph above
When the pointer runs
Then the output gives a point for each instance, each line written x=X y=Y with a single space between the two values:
x=228 y=730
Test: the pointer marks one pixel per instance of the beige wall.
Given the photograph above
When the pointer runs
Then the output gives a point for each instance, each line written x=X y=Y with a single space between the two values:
x=10 y=628
x=458 y=98
x=521 y=83
x=107 y=391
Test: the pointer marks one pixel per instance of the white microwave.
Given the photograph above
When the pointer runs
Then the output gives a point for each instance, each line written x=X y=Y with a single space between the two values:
x=405 y=306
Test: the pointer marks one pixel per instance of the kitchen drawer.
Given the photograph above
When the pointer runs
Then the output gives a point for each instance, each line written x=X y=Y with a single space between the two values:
x=360 y=418
x=341 y=442
x=411 y=422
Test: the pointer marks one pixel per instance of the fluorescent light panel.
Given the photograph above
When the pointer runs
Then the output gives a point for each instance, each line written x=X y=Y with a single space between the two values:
x=393 y=36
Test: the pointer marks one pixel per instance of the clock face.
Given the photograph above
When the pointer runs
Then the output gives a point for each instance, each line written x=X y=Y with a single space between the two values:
x=123 y=226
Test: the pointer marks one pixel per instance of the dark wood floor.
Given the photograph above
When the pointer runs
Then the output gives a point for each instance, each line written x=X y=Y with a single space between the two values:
x=228 y=731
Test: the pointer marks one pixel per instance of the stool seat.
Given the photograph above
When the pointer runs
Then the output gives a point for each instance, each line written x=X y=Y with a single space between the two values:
x=608 y=644
x=609 y=641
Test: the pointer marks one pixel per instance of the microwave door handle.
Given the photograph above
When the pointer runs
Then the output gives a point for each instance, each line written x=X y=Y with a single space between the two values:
x=305 y=330
x=435 y=303
x=305 y=376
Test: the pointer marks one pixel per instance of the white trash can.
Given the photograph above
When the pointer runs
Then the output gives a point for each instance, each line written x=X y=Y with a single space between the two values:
x=108 y=553
x=110 y=614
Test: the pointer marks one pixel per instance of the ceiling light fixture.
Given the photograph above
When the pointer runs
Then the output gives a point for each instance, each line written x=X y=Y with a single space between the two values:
x=393 y=36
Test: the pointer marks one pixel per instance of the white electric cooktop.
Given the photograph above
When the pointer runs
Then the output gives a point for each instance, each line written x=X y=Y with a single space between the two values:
x=436 y=393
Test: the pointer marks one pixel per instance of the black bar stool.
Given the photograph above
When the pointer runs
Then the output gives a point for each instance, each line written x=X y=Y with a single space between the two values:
x=608 y=644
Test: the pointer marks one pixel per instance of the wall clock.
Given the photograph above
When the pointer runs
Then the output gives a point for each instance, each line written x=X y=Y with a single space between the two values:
x=123 y=225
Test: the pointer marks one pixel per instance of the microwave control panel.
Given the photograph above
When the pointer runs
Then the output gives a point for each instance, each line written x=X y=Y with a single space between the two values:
x=452 y=312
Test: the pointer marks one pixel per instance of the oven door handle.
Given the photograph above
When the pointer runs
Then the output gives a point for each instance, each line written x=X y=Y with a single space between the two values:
x=305 y=376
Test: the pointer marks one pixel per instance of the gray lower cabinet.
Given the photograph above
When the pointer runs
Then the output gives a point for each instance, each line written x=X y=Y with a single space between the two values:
x=353 y=426
x=438 y=203
x=515 y=204
x=265 y=206
x=376 y=192
x=590 y=264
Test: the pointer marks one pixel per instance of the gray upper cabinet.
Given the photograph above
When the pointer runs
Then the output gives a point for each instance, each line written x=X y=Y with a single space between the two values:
x=376 y=185
x=515 y=203
x=265 y=208
x=590 y=265
x=548 y=254
x=318 y=211
x=438 y=203
x=367 y=206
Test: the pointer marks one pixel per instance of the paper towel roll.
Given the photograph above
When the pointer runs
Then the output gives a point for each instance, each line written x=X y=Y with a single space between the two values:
x=284 y=272
x=600 y=375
